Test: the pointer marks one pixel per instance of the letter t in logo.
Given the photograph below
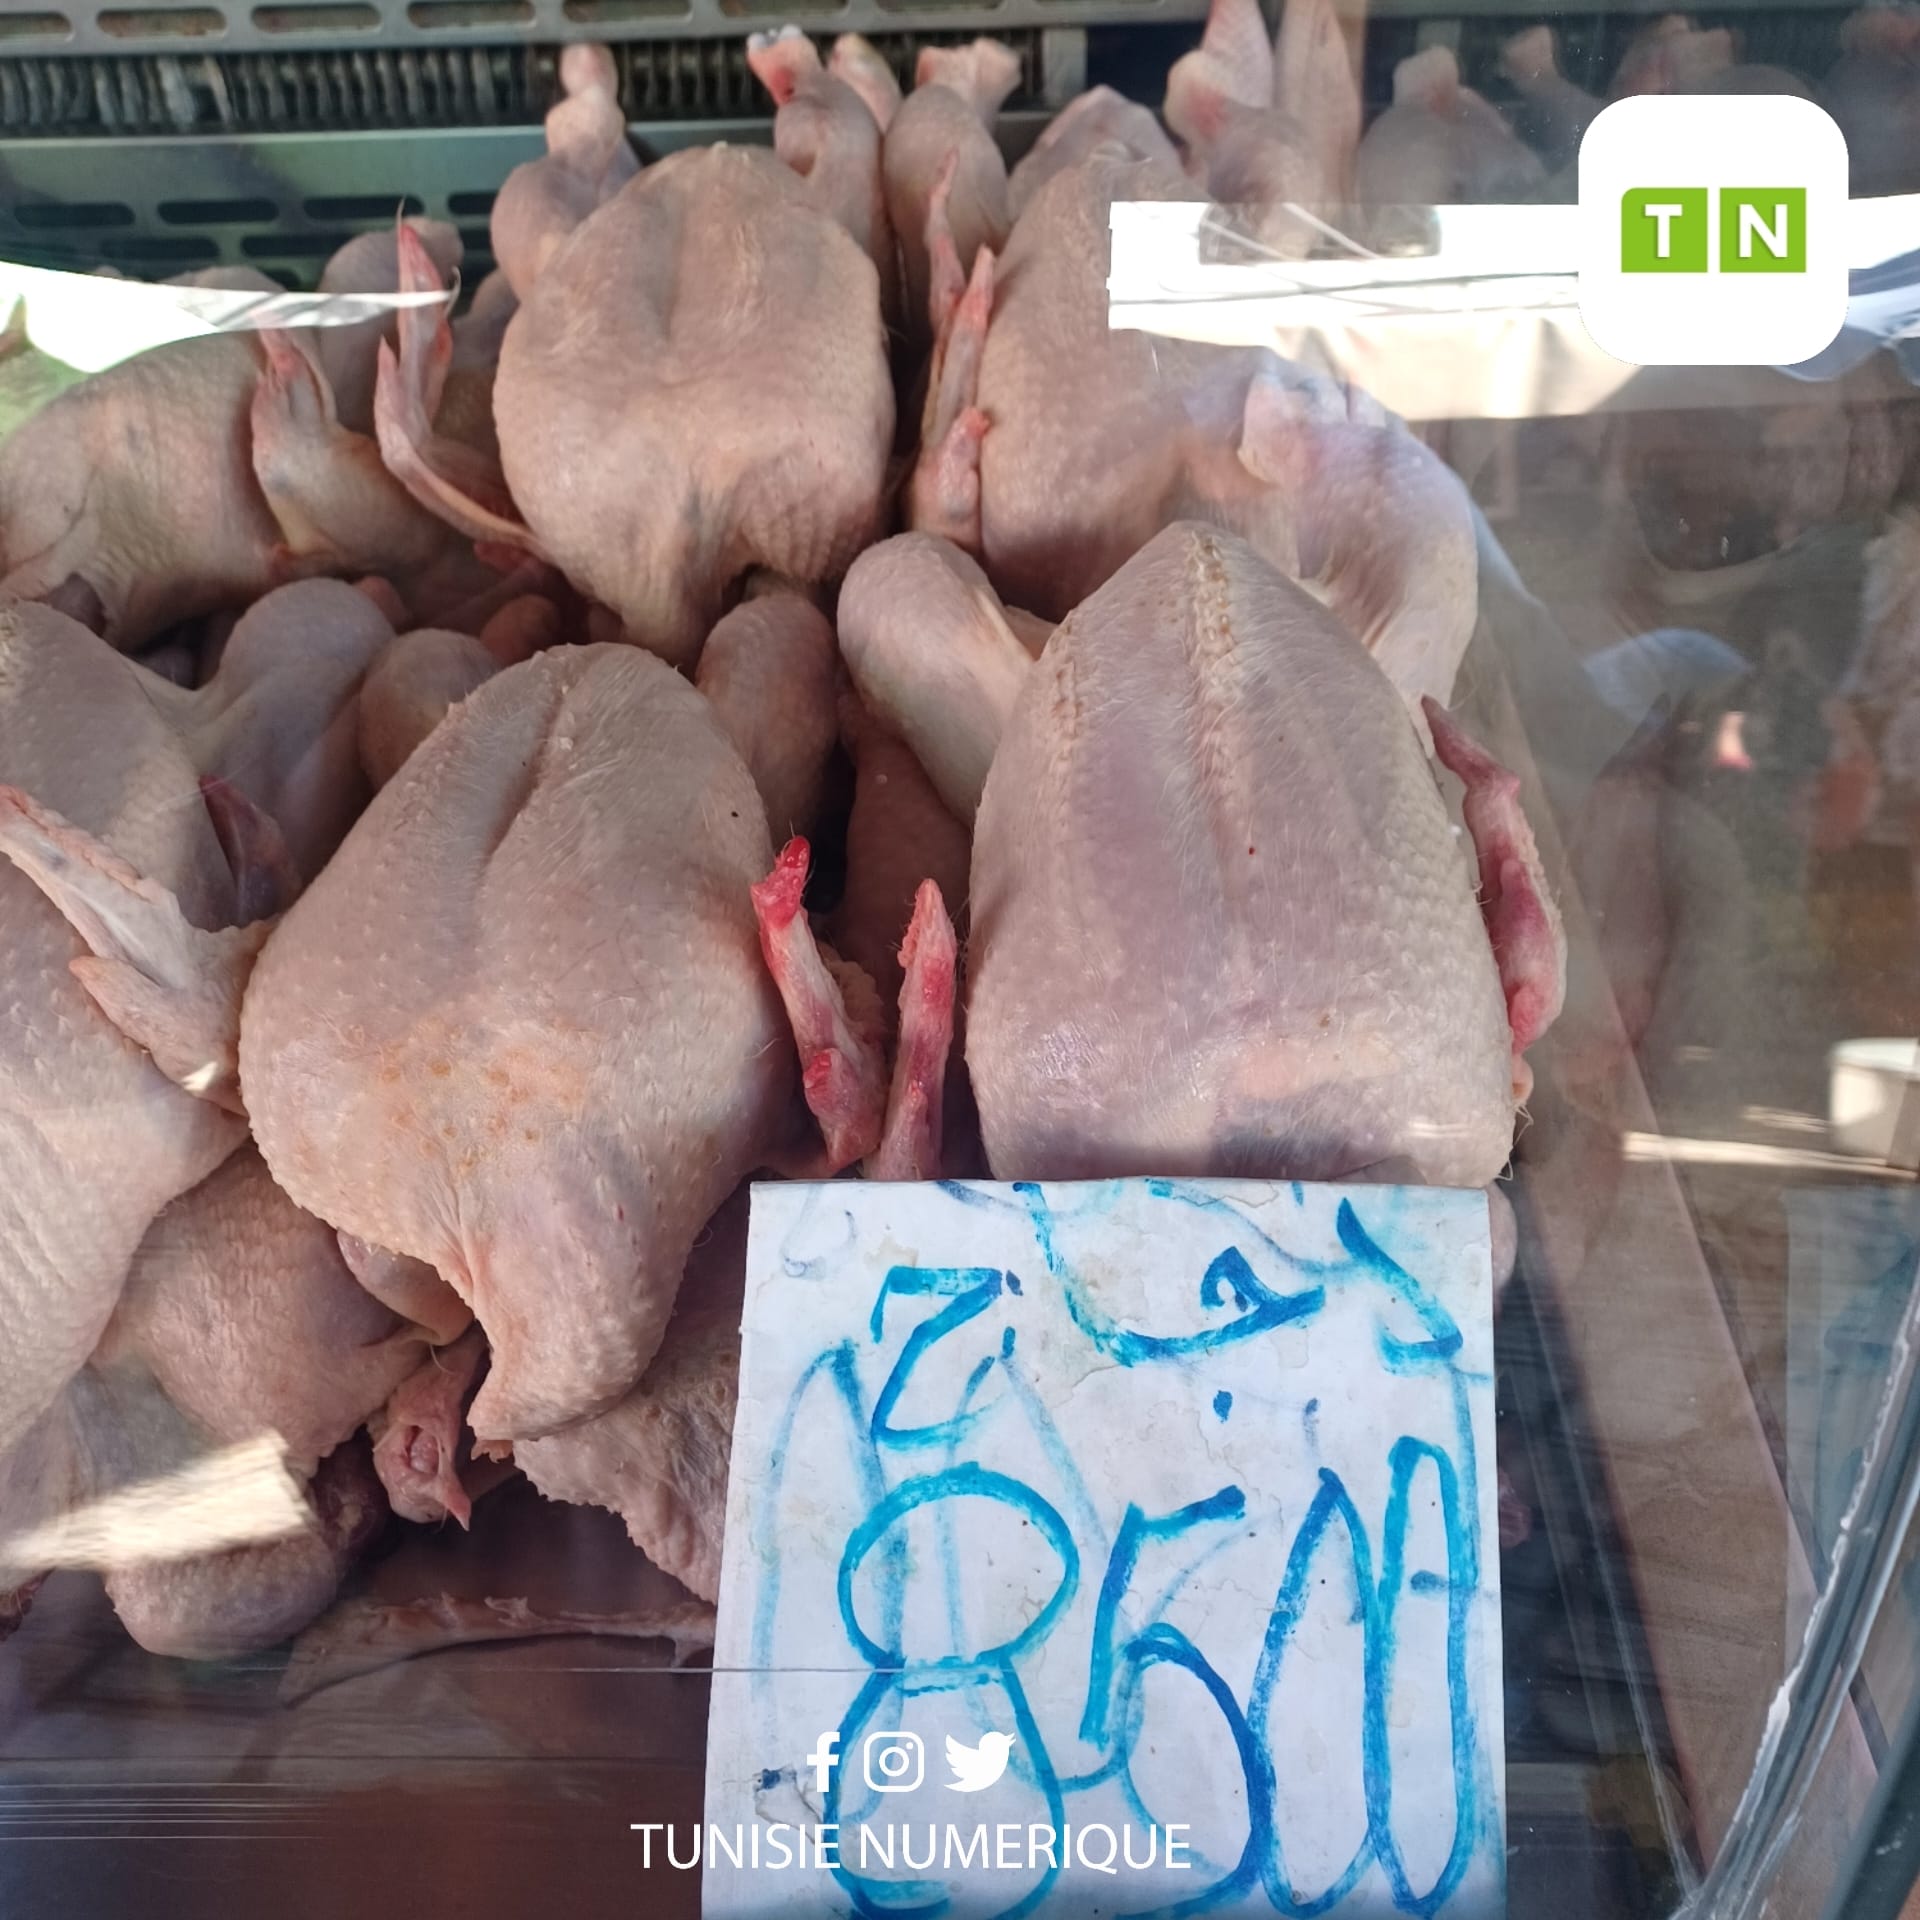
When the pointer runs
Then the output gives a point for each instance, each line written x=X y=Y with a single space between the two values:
x=1663 y=230
x=824 y=1757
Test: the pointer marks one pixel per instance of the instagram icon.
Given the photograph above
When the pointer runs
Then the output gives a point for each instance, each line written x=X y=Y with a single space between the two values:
x=894 y=1761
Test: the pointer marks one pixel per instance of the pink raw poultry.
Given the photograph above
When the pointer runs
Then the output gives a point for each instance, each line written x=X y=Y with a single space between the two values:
x=202 y=473
x=857 y=61
x=588 y=161
x=642 y=351
x=934 y=657
x=830 y=135
x=659 y=1458
x=1090 y=440
x=1094 y=118
x=239 y=1319
x=948 y=118
x=419 y=1434
x=1439 y=144
x=1220 y=924
x=520 y=1029
x=899 y=834
x=1272 y=125
x=428 y=670
x=122 y=1002
x=769 y=669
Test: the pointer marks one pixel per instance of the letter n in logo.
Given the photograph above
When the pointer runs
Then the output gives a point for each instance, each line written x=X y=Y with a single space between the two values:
x=1763 y=229
x=1663 y=230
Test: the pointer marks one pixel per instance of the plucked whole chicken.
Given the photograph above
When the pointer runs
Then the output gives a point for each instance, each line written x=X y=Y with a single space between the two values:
x=680 y=779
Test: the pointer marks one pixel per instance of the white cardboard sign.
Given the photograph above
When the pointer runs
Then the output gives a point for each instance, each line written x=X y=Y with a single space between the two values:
x=1122 y=1547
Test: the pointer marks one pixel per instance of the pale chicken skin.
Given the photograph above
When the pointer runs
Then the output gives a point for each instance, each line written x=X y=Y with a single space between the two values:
x=1272 y=126
x=241 y=1307
x=1220 y=923
x=1096 y=439
x=238 y=1321
x=76 y=1094
x=131 y=907
x=520 y=1028
x=948 y=118
x=587 y=161
x=651 y=447
x=1439 y=144
x=206 y=471
x=219 y=1606
x=659 y=1458
x=768 y=668
x=828 y=132
x=746 y=458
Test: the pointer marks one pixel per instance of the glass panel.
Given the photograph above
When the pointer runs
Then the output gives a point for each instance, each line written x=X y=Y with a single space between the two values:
x=1078 y=606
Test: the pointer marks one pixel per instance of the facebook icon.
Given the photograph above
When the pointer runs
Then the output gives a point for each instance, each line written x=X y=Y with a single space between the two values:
x=824 y=1757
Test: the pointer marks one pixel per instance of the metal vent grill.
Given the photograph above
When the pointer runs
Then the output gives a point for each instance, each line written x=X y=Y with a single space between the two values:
x=282 y=202
x=346 y=91
x=111 y=27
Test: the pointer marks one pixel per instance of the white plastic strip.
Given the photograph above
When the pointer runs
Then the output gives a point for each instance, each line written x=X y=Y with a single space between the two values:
x=90 y=321
x=1488 y=325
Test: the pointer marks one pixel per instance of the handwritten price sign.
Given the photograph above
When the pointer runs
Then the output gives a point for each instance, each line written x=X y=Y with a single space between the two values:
x=1121 y=1546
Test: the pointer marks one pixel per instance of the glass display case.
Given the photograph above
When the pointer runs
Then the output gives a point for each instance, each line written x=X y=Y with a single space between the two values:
x=360 y=1527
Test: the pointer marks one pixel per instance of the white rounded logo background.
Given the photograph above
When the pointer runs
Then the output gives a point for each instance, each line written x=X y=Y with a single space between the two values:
x=1716 y=318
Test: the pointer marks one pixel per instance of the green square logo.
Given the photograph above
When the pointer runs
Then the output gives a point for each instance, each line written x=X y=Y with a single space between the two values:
x=1663 y=230
x=1763 y=229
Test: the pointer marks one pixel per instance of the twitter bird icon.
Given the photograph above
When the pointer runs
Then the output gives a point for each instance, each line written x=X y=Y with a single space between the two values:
x=976 y=1768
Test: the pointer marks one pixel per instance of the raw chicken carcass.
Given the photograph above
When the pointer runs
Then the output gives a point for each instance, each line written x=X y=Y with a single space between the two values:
x=947 y=121
x=520 y=1029
x=829 y=134
x=239 y=1321
x=410 y=1288
x=279 y=720
x=857 y=61
x=202 y=473
x=587 y=161
x=934 y=658
x=659 y=1458
x=1873 y=92
x=428 y=670
x=124 y=908
x=1096 y=439
x=1439 y=144
x=1562 y=112
x=769 y=669
x=653 y=444
x=899 y=833
x=418 y=1434
x=1673 y=55
x=218 y=1606
x=1220 y=924
x=1098 y=117
x=1272 y=127
x=249 y=1320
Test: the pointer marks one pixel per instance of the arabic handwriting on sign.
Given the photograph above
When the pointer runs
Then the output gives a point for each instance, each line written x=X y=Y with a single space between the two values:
x=989 y=1566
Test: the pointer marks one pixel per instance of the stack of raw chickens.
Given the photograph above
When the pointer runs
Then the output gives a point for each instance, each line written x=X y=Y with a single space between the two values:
x=394 y=1006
